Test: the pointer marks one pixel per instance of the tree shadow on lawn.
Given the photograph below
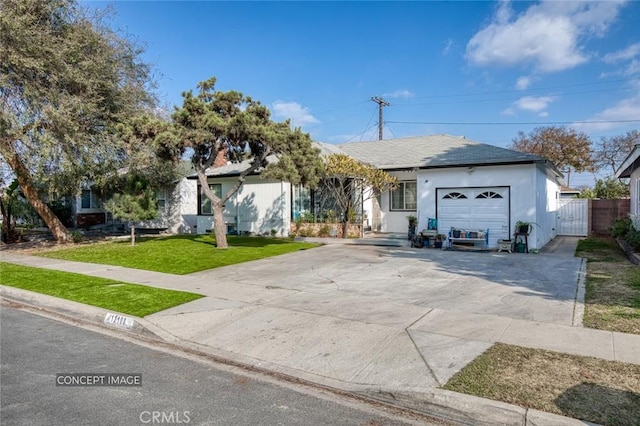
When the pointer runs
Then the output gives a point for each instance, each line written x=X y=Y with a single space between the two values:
x=233 y=240
x=600 y=404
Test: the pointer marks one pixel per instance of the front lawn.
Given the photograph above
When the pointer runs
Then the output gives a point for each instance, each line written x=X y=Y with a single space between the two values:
x=180 y=254
x=612 y=300
x=132 y=299
x=591 y=389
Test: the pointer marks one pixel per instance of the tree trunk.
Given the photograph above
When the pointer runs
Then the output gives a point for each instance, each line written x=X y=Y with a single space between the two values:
x=9 y=234
x=133 y=234
x=59 y=231
x=345 y=223
x=219 y=227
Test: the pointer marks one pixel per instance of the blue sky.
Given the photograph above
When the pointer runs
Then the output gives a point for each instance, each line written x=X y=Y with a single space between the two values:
x=506 y=66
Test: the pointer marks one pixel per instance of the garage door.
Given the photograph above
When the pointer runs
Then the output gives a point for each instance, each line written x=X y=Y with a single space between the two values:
x=475 y=208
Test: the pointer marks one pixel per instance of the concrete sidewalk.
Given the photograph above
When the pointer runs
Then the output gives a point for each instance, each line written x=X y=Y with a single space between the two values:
x=377 y=320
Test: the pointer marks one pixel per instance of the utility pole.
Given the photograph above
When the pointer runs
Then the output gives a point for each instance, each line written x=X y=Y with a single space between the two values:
x=381 y=104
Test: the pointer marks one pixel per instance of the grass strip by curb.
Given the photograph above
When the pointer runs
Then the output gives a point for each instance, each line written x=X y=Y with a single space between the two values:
x=586 y=388
x=179 y=254
x=132 y=299
x=612 y=300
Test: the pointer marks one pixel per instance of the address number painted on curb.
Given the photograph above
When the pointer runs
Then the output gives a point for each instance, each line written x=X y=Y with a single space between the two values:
x=118 y=320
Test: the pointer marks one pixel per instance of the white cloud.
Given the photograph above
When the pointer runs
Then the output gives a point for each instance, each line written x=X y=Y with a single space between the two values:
x=447 y=46
x=298 y=114
x=629 y=52
x=399 y=94
x=547 y=35
x=523 y=83
x=626 y=109
x=543 y=114
x=533 y=103
x=633 y=68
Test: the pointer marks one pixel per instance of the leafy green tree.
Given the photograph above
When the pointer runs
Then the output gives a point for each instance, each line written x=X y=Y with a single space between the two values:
x=587 y=192
x=610 y=188
x=137 y=202
x=66 y=80
x=611 y=152
x=214 y=124
x=569 y=149
x=350 y=182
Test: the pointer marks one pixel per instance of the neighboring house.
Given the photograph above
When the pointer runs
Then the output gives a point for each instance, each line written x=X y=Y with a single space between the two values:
x=630 y=168
x=567 y=193
x=177 y=210
x=459 y=182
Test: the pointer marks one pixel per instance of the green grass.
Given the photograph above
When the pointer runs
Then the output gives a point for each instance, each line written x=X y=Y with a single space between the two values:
x=132 y=299
x=182 y=254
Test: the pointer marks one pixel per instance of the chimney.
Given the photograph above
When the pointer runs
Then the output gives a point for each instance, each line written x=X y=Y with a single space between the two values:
x=221 y=158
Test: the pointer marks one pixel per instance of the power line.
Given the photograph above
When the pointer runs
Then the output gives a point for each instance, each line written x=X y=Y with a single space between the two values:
x=495 y=123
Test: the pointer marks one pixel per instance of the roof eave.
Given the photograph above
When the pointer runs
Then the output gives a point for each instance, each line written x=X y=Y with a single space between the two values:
x=629 y=164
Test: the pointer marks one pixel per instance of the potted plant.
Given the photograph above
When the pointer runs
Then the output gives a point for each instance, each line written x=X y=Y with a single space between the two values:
x=523 y=227
x=439 y=238
x=413 y=224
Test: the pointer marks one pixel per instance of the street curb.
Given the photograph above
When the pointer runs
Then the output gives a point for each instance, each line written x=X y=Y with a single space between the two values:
x=578 y=307
x=434 y=403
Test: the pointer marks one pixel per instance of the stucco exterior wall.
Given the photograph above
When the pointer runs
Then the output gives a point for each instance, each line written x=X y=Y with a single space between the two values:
x=547 y=195
x=180 y=211
x=531 y=191
x=396 y=221
x=634 y=208
x=258 y=207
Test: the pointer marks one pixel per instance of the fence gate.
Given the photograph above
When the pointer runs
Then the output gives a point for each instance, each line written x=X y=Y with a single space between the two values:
x=573 y=217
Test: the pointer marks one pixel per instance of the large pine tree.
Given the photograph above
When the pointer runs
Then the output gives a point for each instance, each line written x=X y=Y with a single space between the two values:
x=66 y=81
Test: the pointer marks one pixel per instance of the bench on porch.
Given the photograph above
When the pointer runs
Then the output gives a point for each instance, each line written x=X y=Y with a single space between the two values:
x=469 y=237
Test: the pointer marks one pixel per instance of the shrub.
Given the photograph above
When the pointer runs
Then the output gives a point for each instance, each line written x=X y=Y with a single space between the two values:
x=324 y=231
x=76 y=236
x=632 y=237
x=621 y=228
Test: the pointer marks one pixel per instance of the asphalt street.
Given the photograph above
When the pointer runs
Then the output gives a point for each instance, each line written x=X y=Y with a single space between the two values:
x=174 y=389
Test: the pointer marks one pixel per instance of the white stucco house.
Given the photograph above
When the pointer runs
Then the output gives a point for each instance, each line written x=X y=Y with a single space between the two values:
x=630 y=169
x=461 y=183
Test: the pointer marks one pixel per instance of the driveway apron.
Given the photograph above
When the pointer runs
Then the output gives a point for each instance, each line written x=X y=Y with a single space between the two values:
x=390 y=318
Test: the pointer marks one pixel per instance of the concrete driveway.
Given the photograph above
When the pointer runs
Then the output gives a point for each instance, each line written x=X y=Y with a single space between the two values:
x=383 y=318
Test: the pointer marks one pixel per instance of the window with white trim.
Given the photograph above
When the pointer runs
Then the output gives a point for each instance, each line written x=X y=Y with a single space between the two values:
x=405 y=196
x=88 y=200
x=161 y=200
x=205 y=203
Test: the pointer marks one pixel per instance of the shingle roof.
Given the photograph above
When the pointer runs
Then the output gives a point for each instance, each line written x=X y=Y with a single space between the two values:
x=414 y=152
x=433 y=151
x=234 y=169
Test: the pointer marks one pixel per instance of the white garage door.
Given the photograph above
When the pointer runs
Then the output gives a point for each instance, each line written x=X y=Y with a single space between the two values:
x=475 y=208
